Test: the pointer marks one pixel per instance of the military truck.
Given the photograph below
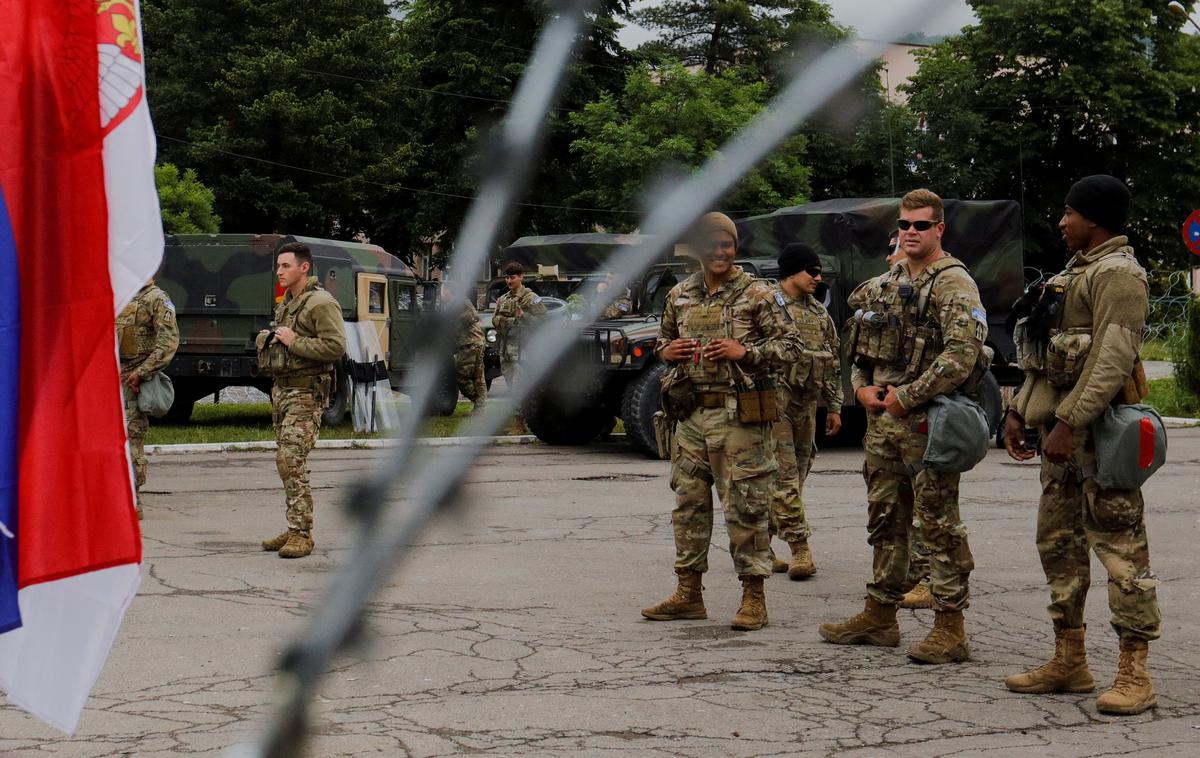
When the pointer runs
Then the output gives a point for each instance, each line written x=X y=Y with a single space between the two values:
x=614 y=372
x=224 y=289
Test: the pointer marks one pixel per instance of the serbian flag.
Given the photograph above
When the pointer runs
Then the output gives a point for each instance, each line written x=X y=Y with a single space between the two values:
x=79 y=234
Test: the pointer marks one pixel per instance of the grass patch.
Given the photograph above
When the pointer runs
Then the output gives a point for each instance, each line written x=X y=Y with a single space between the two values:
x=250 y=422
x=1157 y=350
x=1169 y=399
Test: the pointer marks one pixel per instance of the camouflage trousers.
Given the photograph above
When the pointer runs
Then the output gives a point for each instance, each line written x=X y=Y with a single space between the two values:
x=712 y=448
x=510 y=364
x=136 y=425
x=468 y=368
x=296 y=413
x=1074 y=516
x=794 y=435
x=896 y=499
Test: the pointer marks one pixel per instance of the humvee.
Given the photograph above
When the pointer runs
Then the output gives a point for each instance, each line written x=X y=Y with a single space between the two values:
x=224 y=290
x=622 y=376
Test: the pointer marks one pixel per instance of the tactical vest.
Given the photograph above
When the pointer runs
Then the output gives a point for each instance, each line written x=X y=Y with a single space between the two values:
x=507 y=306
x=1062 y=355
x=816 y=363
x=275 y=359
x=707 y=320
x=893 y=329
x=136 y=327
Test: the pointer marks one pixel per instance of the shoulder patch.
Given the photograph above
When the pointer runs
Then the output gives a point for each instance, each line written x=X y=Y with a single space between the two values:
x=538 y=298
x=167 y=302
x=979 y=315
x=623 y=307
x=779 y=299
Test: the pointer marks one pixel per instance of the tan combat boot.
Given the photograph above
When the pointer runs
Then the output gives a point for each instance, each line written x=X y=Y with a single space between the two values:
x=918 y=597
x=686 y=603
x=876 y=625
x=945 y=643
x=802 y=566
x=1067 y=671
x=753 y=613
x=274 y=544
x=778 y=566
x=1132 y=691
x=299 y=544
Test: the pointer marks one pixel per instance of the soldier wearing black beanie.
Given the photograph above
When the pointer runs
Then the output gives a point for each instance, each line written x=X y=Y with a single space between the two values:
x=1101 y=199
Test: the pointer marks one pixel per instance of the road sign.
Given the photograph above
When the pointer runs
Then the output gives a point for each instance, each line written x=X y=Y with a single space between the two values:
x=1191 y=232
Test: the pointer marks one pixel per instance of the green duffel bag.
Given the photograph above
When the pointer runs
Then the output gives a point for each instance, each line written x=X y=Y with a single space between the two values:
x=1131 y=444
x=156 y=395
x=959 y=436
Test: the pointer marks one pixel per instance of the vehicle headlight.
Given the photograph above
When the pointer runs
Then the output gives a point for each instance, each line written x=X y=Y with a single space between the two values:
x=491 y=335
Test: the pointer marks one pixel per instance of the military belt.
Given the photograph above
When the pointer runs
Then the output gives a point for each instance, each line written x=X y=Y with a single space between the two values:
x=711 y=399
x=1067 y=473
x=298 y=382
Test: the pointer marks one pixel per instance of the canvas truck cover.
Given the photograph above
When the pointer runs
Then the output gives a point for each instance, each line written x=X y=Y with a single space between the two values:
x=983 y=234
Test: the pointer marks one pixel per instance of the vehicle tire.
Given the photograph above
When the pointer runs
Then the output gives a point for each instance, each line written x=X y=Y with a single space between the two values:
x=181 y=410
x=341 y=402
x=446 y=400
x=560 y=419
x=642 y=399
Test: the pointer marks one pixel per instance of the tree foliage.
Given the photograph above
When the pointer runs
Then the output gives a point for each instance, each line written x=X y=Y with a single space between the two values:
x=675 y=118
x=1042 y=92
x=186 y=204
x=284 y=108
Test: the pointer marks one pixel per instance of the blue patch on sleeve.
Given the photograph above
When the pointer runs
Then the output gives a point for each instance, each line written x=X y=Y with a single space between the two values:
x=979 y=315
x=779 y=299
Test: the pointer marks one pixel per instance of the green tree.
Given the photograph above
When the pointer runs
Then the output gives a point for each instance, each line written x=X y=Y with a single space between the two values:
x=284 y=109
x=463 y=59
x=855 y=143
x=675 y=118
x=1042 y=92
x=186 y=204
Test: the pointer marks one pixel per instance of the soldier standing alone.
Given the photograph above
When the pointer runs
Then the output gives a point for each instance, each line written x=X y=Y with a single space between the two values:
x=1101 y=300
x=307 y=339
x=468 y=354
x=814 y=379
x=517 y=311
x=720 y=328
x=148 y=337
x=921 y=328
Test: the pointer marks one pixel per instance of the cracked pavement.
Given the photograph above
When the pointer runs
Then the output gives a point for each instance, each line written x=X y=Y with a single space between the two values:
x=513 y=626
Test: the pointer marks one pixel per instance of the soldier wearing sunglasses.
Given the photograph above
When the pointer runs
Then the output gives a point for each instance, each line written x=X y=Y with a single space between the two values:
x=815 y=379
x=918 y=333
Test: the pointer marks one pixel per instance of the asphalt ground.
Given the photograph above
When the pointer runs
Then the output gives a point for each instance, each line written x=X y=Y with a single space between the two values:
x=513 y=627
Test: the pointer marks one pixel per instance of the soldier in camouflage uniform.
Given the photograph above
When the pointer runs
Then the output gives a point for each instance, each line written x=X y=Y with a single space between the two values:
x=308 y=337
x=815 y=379
x=621 y=307
x=719 y=327
x=1079 y=357
x=148 y=338
x=517 y=312
x=920 y=332
x=468 y=354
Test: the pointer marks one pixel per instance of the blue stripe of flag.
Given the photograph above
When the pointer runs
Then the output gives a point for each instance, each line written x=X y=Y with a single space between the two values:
x=10 y=345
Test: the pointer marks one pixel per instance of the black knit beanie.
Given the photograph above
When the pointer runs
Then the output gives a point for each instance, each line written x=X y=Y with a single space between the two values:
x=795 y=257
x=1101 y=199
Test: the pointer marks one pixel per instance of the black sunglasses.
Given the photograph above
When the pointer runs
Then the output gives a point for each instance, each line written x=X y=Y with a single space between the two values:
x=920 y=226
x=813 y=272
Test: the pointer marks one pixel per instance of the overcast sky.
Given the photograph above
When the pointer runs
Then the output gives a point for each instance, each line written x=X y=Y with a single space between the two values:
x=852 y=13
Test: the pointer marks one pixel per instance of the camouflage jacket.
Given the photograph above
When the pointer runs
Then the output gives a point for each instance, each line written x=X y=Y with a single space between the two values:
x=515 y=312
x=749 y=314
x=316 y=318
x=618 y=308
x=818 y=371
x=147 y=332
x=470 y=333
x=941 y=351
x=1103 y=313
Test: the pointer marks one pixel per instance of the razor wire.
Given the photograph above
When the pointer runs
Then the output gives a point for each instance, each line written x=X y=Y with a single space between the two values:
x=385 y=534
x=1169 y=310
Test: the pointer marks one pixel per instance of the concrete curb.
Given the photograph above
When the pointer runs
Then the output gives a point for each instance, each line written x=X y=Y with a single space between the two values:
x=258 y=446
x=1176 y=422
